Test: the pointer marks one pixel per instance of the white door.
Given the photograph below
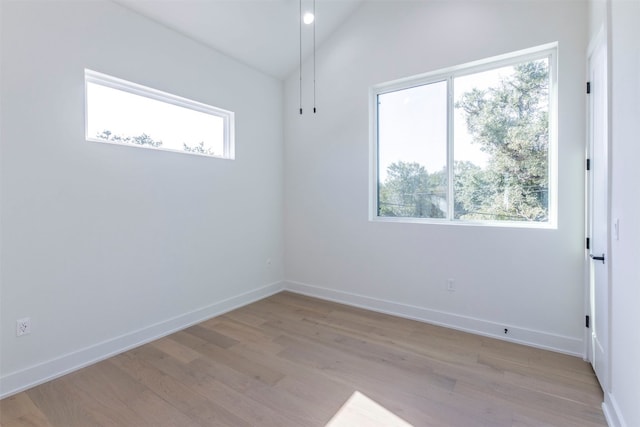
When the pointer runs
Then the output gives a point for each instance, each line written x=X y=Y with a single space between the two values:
x=598 y=211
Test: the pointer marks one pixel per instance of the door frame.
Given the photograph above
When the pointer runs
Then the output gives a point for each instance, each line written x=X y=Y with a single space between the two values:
x=600 y=41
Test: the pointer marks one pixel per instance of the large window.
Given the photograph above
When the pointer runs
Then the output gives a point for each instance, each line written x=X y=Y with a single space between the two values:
x=474 y=143
x=122 y=112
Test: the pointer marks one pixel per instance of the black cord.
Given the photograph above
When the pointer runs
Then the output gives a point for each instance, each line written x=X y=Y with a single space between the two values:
x=300 y=40
x=314 y=56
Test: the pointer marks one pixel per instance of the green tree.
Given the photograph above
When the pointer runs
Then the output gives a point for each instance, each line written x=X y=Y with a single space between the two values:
x=200 y=149
x=410 y=191
x=510 y=123
x=143 y=139
x=472 y=188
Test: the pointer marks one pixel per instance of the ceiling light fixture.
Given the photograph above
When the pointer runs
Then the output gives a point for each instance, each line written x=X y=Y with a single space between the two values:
x=308 y=18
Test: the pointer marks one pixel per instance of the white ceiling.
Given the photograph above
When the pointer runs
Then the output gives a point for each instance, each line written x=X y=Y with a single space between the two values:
x=261 y=33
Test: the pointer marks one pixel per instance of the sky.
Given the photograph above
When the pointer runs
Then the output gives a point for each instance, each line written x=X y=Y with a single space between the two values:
x=412 y=124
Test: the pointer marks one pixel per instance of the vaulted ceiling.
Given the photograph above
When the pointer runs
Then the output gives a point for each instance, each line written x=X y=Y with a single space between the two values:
x=261 y=33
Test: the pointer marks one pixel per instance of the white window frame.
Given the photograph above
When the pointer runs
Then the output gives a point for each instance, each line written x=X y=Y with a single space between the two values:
x=549 y=51
x=106 y=80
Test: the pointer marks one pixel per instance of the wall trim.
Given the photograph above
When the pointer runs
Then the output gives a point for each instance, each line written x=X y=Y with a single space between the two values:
x=612 y=411
x=530 y=337
x=18 y=381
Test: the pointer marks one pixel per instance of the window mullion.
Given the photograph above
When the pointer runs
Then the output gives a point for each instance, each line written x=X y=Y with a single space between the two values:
x=450 y=158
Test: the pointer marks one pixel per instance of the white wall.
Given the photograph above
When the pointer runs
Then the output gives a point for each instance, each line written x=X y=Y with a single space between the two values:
x=620 y=18
x=625 y=206
x=528 y=280
x=106 y=246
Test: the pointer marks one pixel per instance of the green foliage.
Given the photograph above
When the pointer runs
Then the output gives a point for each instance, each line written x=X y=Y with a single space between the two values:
x=510 y=123
x=200 y=149
x=409 y=191
x=472 y=187
x=143 y=139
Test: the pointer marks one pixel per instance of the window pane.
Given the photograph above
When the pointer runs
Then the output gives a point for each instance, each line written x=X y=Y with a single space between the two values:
x=501 y=143
x=119 y=116
x=412 y=152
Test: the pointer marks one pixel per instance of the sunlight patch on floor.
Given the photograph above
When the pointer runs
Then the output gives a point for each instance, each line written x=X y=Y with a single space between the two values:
x=359 y=410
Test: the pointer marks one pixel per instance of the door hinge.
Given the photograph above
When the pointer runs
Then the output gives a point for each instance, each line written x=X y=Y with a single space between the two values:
x=588 y=164
x=588 y=87
x=588 y=245
x=586 y=321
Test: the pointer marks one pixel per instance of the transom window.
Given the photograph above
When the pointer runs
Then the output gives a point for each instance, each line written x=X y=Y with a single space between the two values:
x=121 y=112
x=473 y=144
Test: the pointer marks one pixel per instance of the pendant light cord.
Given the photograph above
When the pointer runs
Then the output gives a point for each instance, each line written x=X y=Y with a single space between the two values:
x=314 y=56
x=300 y=43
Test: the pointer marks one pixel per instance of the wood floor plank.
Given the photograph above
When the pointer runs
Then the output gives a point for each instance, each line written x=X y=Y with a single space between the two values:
x=127 y=395
x=64 y=404
x=212 y=414
x=182 y=397
x=211 y=336
x=165 y=386
x=15 y=407
x=236 y=362
x=293 y=360
x=32 y=419
x=587 y=381
x=176 y=350
x=566 y=412
x=239 y=331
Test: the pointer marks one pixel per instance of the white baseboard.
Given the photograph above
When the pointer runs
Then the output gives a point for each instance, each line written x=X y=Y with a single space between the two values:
x=612 y=411
x=530 y=337
x=16 y=382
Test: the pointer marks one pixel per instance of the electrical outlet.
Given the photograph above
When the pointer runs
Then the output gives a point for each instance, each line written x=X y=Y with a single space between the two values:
x=451 y=285
x=23 y=326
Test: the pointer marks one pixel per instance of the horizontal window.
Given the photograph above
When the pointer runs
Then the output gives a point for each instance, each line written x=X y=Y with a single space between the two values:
x=473 y=144
x=122 y=112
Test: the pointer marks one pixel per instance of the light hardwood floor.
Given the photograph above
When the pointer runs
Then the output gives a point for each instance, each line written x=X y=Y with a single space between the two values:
x=291 y=360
